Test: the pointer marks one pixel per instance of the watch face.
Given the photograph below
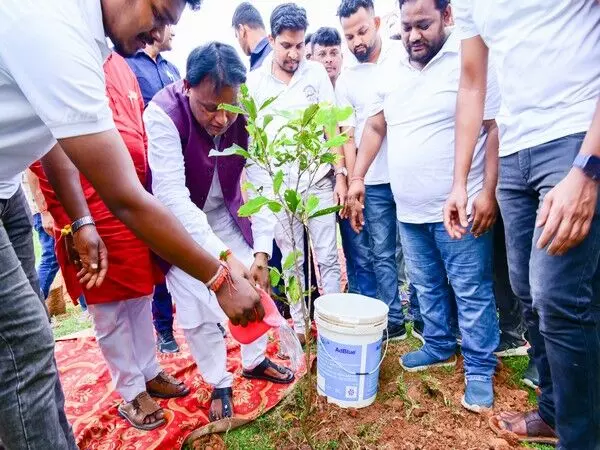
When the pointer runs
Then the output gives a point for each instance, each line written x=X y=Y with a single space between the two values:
x=592 y=167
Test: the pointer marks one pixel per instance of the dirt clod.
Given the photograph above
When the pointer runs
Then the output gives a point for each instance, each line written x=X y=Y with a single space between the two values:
x=499 y=444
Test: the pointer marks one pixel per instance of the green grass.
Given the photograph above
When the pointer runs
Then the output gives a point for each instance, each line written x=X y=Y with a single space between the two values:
x=70 y=322
x=518 y=365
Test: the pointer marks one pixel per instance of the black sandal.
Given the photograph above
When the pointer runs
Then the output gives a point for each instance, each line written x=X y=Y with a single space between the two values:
x=223 y=394
x=259 y=372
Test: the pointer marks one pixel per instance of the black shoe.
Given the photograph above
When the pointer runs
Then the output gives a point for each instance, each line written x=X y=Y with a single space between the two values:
x=395 y=333
x=166 y=343
x=417 y=331
x=531 y=377
x=511 y=346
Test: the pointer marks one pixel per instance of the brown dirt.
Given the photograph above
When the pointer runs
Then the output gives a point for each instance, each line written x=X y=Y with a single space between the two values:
x=415 y=411
x=419 y=411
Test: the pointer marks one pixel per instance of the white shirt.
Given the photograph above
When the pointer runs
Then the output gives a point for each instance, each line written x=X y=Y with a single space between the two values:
x=310 y=84
x=419 y=108
x=548 y=60
x=357 y=87
x=51 y=80
x=165 y=157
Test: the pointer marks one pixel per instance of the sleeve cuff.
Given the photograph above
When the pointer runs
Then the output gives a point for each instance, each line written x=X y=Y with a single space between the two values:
x=263 y=244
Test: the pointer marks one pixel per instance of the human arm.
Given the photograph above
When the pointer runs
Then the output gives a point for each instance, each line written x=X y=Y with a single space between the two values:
x=485 y=207
x=65 y=181
x=370 y=144
x=469 y=117
x=568 y=209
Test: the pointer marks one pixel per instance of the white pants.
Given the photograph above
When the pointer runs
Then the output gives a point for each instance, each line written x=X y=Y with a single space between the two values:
x=324 y=240
x=125 y=334
x=198 y=313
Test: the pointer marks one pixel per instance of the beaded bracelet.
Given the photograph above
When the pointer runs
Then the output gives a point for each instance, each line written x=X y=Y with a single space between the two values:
x=222 y=276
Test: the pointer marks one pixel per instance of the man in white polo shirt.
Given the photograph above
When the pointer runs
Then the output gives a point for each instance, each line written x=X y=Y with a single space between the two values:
x=53 y=100
x=418 y=105
x=297 y=83
x=372 y=252
x=548 y=61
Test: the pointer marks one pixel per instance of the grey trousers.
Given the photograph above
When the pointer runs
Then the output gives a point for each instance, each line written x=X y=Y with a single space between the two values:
x=32 y=412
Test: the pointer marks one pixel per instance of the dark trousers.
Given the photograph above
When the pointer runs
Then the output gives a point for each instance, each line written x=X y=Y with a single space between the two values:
x=560 y=295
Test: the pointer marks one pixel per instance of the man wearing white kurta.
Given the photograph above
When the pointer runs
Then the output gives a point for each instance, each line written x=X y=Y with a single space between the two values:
x=297 y=84
x=183 y=124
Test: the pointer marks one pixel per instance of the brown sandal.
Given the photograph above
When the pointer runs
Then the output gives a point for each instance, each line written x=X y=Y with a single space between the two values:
x=139 y=409
x=536 y=430
x=164 y=385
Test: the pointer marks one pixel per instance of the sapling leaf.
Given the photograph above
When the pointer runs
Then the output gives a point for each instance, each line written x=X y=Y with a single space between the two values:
x=275 y=206
x=277 y=181
x=312 y=202
x=324 y=212
x=252 y=206
x=233 y=150
x=290 y=260
x=292 y=199
x=231 y=108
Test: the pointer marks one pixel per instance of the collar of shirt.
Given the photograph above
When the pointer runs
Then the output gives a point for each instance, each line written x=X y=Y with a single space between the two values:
x=267 y=70
x=451 y=46
x=387 y=50
x=92 y=14
x=259 y=48
x=143 y=55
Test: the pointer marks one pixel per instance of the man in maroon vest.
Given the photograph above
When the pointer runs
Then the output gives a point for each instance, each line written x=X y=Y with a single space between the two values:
x=184 y=124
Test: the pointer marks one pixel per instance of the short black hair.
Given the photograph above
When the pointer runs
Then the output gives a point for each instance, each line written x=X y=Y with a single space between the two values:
x=218 y=61
x=247 y=14
x=349 y=7
x=288 y=16
x=194 y=4
x=308 y=39
x=327 y=37
x=440 y=5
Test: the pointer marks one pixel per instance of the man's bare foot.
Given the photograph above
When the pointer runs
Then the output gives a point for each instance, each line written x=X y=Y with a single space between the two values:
x=221 y=406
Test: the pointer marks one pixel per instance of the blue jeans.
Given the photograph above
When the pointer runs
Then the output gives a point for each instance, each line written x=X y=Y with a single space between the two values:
x=380 y=224
x=162 y=310
x=433 y=259
x=32 y=412
x=48 y=264
x=560 y=295
x=359 y=261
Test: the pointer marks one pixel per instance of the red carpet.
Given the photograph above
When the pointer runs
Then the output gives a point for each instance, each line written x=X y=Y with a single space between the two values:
x=91 y=402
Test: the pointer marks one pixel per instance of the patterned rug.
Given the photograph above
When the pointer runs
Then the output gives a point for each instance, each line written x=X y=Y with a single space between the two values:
x=91 y=401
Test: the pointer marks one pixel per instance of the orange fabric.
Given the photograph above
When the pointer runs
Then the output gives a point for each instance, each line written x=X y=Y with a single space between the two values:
x=91 y=401
x=131 y=272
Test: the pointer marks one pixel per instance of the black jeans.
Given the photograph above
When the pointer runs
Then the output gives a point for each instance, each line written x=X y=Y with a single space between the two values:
x=32 y=412
x=560 y=295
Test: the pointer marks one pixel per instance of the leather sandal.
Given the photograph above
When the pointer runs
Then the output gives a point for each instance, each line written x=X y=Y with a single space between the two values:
x=259 y=372
x=223 y=394
x=536 y=430
x=164 y=385
x=138 y=409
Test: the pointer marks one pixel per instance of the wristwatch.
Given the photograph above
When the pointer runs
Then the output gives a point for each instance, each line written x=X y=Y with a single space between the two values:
x=82 y=222
x=590 y=165
x=341 y=171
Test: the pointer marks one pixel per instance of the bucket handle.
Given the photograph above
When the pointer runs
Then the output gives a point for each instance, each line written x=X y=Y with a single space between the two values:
x=387 y=342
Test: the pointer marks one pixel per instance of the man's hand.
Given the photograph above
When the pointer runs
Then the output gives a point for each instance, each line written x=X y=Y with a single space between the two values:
x=93 y=256
x=48 y=223
x=356 y=204
x=485 y=212
x=455 y=212
x=260 y=271
x=236 y=266
x=567 y=213
x=340 y=195
x=240 y=301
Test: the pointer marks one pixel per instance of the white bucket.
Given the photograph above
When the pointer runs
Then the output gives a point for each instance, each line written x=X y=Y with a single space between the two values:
x=350 y=331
